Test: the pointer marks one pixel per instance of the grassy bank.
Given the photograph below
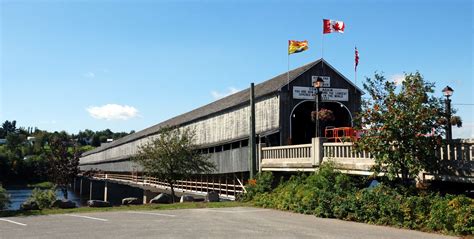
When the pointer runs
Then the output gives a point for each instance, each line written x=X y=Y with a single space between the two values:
x=330 y=194
x=42 y=185
x=126 y=208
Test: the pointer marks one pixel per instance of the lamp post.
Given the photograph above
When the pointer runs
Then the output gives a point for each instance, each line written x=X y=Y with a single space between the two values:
x=317 y=85
x=448 y=91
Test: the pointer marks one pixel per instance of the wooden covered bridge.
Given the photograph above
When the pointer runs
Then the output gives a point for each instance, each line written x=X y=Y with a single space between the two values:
x=285 y=134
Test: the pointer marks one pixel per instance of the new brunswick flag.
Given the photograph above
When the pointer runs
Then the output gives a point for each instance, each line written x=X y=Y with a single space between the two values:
x=297 y=46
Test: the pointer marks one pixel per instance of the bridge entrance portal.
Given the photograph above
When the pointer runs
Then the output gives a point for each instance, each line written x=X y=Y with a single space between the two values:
x=303 y=128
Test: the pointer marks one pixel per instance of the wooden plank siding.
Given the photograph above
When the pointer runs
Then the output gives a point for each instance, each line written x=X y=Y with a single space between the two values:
x=233 y=124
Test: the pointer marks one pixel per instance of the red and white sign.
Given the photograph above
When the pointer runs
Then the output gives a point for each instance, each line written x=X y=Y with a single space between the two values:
x=330 y=26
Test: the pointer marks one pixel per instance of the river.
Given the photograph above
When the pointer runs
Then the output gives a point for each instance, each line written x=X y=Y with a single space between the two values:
x=18 y=195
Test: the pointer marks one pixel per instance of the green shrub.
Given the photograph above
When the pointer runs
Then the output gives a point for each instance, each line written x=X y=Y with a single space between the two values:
x=42 y=185
x=452 y=213
x=318 y=193
x=328 y=193
x=4 y=198
x=379 y=205
x=44 y=198
x=262 y=184
x=416 y=210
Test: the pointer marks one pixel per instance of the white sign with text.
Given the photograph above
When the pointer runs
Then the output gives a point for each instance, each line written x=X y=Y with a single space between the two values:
x=327 y=94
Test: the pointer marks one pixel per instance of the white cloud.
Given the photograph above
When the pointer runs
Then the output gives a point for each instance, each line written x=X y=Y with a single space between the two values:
x=113 y=112
x=89 y=75
x=48 y=122
x=217 y=95
x=397 y=78
x=465 y=132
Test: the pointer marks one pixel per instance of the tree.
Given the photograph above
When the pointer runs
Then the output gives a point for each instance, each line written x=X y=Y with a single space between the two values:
x=63 y=161
x=171 y=156
x=7 y=127
x=401 y=124
x=4 y=198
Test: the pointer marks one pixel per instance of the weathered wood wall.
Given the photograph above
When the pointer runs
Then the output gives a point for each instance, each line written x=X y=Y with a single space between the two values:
x=235 y=124
x=125 y=166
x=222 y=127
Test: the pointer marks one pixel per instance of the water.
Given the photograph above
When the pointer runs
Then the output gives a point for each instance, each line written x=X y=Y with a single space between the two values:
x=18 y=195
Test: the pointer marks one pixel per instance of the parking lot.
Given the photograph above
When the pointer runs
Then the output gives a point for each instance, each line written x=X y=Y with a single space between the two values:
x=241 y=222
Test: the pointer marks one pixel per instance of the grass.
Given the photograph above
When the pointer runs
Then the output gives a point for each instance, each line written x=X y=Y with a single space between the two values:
x=42 y=185
x=127 y=208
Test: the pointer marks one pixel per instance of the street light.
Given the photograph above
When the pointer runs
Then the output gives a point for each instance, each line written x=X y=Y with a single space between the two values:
x=448 y=91
x=317 y=84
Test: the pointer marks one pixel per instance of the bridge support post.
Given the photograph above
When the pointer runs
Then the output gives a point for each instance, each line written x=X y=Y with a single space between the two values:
x=144 y=197
x=90 y=190
x=105 y=191
x=317 y=148
x=259 y=155
x=80 y=187
x=421 y=182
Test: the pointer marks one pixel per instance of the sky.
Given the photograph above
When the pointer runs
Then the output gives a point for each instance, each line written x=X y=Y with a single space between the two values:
x=127 y=65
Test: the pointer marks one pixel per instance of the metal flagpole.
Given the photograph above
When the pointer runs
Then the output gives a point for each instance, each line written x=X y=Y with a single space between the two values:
x=322 y=51
x=288 y=73
x=355 y=76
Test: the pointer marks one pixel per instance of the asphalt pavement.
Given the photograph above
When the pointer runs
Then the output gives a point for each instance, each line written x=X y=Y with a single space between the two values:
x=240 y=222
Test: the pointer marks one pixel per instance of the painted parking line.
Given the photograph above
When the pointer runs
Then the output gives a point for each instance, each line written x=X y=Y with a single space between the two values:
x=87 y=217
x=152 y=213
x=10 y=221
x=231 y=211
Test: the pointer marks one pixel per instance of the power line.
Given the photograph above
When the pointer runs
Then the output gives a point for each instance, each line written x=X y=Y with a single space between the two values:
x=463 y=104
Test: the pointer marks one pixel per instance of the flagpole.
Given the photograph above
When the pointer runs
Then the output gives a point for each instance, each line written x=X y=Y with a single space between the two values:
x=288 y=73
x=355 y=78
x=322 y=50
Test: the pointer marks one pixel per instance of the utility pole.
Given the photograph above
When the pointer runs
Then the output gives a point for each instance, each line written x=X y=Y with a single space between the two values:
x=252 y=143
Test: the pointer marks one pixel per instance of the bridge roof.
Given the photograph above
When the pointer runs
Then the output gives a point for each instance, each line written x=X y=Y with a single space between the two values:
x=265 y=88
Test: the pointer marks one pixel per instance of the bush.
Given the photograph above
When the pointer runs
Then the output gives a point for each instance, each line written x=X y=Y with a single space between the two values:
x=452 y=213
x=328 y=193
x=44 y=198
x=4 y=198
x=262 y=184
x=42 y=185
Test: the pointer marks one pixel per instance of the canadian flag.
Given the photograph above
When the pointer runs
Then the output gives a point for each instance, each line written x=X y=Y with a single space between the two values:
x=330 y=26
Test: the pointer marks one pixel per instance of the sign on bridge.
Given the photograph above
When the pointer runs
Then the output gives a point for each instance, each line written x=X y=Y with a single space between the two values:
x=328 y=94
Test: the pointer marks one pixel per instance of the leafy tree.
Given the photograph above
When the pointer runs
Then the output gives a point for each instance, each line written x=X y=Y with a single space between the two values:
x=171 y=156
x=95 y=140
x=63 y=161
x=4 y=199
x=400 y=122
x=7 y=127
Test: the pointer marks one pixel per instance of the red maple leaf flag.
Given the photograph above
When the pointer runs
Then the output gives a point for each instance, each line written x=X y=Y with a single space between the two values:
x=330 y=26
x=356 y=59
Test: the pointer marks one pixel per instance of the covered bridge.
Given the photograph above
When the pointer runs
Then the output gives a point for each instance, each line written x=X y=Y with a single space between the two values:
x=283 y=116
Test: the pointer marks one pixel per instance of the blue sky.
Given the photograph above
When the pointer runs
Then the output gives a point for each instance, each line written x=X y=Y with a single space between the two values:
x=127 y=65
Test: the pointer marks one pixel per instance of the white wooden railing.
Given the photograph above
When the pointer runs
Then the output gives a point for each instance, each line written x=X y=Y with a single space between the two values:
x=287 y=152
x=226 y=187
x=343 y=150
x=309 y=156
